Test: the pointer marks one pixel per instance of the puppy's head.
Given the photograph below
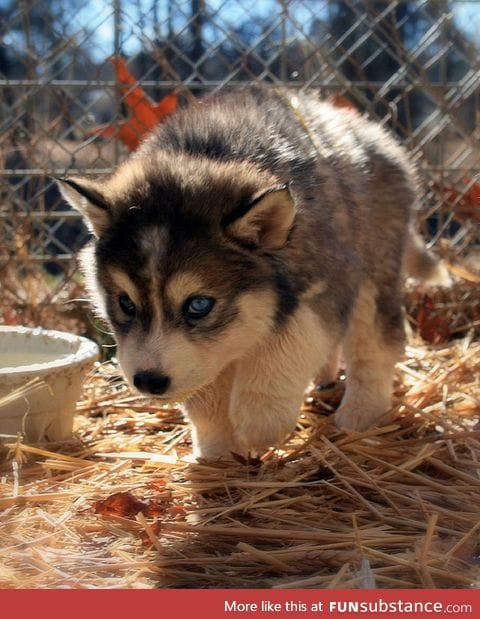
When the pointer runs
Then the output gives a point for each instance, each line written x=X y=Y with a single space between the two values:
x=184 y=264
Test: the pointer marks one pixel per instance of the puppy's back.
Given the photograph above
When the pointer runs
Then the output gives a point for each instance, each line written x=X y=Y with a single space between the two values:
x=354 y=186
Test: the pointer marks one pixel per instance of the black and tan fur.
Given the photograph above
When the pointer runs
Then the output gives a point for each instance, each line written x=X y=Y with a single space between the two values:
x=294 y=216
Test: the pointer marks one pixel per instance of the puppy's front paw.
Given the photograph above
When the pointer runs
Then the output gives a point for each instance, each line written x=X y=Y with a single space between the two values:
x=264 y=424
x=214 y=452
x=209 y=445
x=357 y=417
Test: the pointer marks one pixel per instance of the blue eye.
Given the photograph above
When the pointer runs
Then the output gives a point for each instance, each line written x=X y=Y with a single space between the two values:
x=197 y=307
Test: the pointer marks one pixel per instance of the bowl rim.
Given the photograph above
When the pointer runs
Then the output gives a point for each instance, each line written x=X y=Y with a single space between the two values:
x=87 y=352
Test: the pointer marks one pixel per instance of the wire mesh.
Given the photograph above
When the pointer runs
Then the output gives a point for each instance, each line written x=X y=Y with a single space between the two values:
x=414 y=66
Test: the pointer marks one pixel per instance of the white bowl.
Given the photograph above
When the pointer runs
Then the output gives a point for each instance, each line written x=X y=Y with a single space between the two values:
x=60 y=362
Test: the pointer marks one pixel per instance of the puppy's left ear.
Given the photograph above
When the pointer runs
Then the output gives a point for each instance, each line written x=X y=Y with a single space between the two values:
x=266 y=220
x=86 y=196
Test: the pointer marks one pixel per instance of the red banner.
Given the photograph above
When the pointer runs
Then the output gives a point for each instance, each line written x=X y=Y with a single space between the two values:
x=234 y=603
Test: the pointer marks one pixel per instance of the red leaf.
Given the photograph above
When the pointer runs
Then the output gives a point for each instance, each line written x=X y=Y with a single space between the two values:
x=145 y=113
x=154 y=509
x=166 y=106
x=435 y=329
x=119 y=504
x=157 y=484
x=467 y=203
x=133 y=95
x=473 y=194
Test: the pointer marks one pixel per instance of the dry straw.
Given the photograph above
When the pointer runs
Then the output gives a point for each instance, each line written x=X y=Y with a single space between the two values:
x=397 y=506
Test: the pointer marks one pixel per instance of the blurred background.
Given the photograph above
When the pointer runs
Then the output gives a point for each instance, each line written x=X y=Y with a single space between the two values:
x=82 y=81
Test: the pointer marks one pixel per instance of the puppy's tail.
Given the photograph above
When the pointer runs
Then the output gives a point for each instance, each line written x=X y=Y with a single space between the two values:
x=420 y=263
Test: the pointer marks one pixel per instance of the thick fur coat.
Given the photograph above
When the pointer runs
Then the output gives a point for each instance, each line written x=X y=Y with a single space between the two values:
x=252 y=236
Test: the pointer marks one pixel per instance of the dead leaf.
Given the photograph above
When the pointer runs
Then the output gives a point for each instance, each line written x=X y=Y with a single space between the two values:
x=145 y=113
x=122 y=504
x=435 y=329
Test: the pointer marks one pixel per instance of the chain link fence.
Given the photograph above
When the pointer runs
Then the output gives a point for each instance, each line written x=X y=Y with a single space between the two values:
x=65 y=107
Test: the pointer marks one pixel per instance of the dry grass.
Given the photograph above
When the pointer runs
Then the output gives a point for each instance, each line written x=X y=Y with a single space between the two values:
x=394 y=507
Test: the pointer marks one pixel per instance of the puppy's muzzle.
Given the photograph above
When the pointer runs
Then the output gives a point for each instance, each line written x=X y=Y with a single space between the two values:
x=151 y=382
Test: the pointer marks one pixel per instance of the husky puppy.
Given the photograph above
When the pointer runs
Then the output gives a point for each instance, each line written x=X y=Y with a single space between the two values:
x=250 y=237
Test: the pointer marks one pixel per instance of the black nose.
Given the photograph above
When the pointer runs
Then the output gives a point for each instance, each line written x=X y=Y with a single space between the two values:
x=151 y=382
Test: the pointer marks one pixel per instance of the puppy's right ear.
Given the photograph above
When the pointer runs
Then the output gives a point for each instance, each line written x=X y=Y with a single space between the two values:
x=85 y=196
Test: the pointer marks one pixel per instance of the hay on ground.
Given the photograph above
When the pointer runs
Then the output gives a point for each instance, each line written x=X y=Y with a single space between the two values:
x=121 y=505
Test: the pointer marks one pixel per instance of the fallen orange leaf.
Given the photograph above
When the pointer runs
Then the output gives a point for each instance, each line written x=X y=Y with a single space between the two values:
x=119 y=504
x=435 y=330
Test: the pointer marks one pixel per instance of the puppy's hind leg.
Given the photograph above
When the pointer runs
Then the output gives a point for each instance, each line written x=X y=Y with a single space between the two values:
x=373 y=344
